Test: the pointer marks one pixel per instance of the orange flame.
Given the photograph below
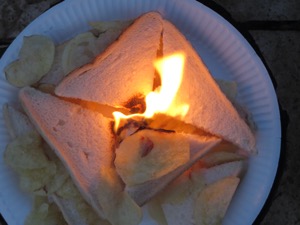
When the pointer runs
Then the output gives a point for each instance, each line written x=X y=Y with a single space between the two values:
x=160 y=100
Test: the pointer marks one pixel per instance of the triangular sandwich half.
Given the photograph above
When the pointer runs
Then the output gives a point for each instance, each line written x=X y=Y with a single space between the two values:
x=83 y=141
x=209 y=109
x=74 y=208
x=123 y=71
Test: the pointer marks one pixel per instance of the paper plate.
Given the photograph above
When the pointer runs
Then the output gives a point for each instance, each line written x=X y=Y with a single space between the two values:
x=224 y=50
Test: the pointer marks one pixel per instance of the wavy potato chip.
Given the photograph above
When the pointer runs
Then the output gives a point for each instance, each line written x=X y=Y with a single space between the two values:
x=220 y=157
x=68 y=192
x=84 y=48
x=44 y=213
x=78 y=51
x=17 y=123
x=119 y=208
x=26 y=156
x=26 y=152
x=88 y=213
x=132 y=216
x=179 y=190
x=35 y=60
x=36 y=180
x=56 y=73
x=156 y=212
x=61 y=176
x=213 y=201
x=123 y=210
x=175 y=193
x=148 y=155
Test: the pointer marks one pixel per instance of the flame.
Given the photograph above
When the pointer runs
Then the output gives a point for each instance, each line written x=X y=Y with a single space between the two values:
x=160 y=100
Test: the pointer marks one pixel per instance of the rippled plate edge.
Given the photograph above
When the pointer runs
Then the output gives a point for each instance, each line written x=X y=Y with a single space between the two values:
x=174 y=10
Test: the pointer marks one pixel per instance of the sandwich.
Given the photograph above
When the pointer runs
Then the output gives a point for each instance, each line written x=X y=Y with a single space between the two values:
x=123 y=71
x=115 y=172
x=215 y=114
x=209 y=110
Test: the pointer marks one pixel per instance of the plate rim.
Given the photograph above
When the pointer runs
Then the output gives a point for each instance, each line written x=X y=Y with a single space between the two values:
x=225 y=22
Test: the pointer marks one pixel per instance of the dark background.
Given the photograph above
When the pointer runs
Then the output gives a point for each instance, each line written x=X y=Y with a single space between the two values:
x=273 y=29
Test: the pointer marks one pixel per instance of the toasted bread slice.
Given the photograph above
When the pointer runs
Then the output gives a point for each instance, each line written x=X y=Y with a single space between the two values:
x=83 y=141
x=209 y=109
x=124 y=70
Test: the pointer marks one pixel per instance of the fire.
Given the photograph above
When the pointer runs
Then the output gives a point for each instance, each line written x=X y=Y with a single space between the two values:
x=160 y=100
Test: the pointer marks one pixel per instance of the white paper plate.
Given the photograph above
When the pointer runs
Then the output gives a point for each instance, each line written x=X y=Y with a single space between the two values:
x=227 y=55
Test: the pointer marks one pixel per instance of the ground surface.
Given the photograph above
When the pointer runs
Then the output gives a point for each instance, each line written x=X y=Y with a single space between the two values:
x=274 y=27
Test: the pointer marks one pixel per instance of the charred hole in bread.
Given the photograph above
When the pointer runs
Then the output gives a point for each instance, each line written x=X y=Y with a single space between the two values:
x=70 y=144
x=86 y=155
x=116 y=139
x=61 y=122
x=136 y=104
x=133 y=125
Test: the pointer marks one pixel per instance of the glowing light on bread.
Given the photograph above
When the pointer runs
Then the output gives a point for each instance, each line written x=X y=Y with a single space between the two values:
x=170 y=69
x=160 y=100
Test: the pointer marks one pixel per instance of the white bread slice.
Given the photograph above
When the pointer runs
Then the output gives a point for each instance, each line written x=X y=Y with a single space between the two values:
x=83 y=141
x=199 y=146
x=179 y=210
x=209 y=109
x=125 y=69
